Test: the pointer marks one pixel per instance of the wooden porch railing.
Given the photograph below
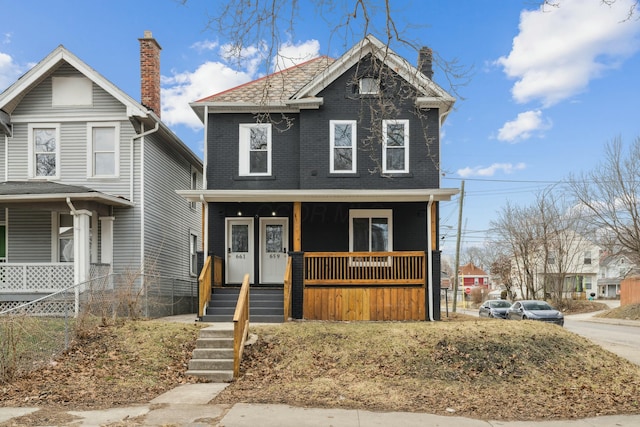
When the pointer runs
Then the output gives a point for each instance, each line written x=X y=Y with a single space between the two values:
x=217 y=271
x=204 y=286
x=365 y=268
x=240 y=325
x=287 y=289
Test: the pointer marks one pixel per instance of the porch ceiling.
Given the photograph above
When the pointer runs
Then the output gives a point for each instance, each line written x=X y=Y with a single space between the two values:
x=319 y=195
x=49 y=192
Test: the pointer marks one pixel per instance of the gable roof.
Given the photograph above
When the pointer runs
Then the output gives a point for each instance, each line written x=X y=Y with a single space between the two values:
x=297 y=87
x=49 y=191
x=11 y=97
x=471 y=270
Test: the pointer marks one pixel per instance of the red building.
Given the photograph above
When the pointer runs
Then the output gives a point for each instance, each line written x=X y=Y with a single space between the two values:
x=470 y=276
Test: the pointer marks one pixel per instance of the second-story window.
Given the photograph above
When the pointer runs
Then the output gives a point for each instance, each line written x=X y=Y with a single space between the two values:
x=44 y=151
x=343 y=146
x=587 y=257
x=368 y=86
x=255 y=149
x=103 y=149
x=395 y=146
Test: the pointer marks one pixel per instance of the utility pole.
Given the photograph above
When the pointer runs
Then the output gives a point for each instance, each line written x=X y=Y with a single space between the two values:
x=457 y=262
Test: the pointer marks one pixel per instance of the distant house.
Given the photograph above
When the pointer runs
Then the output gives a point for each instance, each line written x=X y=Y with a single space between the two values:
x=88 y=182
x=613 y=269
x=470 y=277
x=332 y=166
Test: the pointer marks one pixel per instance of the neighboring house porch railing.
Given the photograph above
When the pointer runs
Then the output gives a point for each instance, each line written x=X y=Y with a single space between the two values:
x=35 y=277
x=41 y=278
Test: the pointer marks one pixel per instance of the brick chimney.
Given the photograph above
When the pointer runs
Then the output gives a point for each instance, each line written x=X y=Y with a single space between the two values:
x=150 y=72
x=425 y=62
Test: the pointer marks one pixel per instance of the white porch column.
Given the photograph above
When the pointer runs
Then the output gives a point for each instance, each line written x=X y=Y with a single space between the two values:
x=81 y=250
x=106 y=239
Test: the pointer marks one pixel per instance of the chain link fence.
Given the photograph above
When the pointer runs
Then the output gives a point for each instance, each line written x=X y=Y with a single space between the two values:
x=34 y=332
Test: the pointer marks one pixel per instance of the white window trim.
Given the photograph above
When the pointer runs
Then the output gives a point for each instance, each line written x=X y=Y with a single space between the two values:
x=244 y=151
x=385 y=124
x=90 y=152
x=193 y=185
x=32 y=151
x=371 y=213
x=361 y=86
x=354 y=142
x=193 y=254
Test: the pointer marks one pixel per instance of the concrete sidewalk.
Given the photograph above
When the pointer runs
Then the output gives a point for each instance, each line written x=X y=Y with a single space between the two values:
x=187 y=405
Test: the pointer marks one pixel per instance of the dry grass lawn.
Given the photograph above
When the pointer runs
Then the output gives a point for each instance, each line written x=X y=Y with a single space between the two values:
x=485 y=369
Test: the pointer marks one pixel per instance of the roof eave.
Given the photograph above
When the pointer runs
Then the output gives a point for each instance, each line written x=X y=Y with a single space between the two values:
x=319 y=195
x=62 y=197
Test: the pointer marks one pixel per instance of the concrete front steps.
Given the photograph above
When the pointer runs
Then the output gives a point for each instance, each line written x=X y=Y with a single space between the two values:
x=266 y=305
x=213 y=356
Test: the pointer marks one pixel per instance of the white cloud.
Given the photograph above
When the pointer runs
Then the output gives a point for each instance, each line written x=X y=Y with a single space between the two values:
x=9 y=71
x=523 y=126
x=506 y=168
x=180 y=89
x=205 y=45
x=291 y=54
x=235 y=68
x=559 y=50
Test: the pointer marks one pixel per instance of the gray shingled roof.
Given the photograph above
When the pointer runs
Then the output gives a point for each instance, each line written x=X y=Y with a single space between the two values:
x=46 y=191
x=274 y=88
x=40 y=187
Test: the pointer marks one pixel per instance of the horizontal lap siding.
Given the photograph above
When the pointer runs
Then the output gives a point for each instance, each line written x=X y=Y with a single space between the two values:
x=169 y=218
x=375 y=303
x=29 y=236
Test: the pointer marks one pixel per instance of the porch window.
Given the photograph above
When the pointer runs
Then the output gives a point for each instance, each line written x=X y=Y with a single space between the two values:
x=44 y=151
x=255 y=149
x=370 y=230
x=103 y=149
x=343 y=146
x=395 y=146
x=65 y=238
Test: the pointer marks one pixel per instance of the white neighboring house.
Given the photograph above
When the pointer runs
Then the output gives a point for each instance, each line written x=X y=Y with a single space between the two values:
x=613 y=269
x=573 y=262
x=89 y=179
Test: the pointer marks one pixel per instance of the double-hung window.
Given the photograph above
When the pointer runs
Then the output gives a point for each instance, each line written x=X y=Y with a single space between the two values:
x=342 y=134
x=44 y=151
x=255 y=150
x=395 y=146
x=370 y=230
x=103 y=149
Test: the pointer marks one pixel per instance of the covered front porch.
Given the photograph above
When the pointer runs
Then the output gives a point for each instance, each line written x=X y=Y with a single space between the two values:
x=350 y=255
x=52 y=237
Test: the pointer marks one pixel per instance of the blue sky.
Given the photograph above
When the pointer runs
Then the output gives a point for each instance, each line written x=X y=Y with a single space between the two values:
x=549 y=85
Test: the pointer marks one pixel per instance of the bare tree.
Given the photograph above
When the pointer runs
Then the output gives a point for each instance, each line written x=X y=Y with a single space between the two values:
x=610 y=193
x=516 y=228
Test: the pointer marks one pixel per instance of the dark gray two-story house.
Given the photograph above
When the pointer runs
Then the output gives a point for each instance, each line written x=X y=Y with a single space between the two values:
x=324 y=179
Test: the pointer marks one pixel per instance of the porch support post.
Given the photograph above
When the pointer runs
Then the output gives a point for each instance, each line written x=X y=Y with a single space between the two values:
x=106 y=240
x=81 y=252
x=430 y=249
x=297 y=226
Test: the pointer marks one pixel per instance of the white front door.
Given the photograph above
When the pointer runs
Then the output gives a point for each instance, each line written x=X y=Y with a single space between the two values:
x=274 y=238
x=239 y=249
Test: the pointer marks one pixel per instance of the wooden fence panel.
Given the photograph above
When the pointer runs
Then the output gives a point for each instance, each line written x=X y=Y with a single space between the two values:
x=630 y=291
x=364 y=303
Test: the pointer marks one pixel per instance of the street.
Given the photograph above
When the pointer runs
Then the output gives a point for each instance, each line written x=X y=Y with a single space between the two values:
x=622 y=340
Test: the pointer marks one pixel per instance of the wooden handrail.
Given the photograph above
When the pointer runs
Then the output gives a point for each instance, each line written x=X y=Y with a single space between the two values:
x=240 y=325
x=365 y=268
x=204 y=287
x=287 y=289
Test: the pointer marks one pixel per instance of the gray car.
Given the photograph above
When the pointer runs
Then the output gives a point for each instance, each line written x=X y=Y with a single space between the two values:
x=496 y=308
x=535 y=310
